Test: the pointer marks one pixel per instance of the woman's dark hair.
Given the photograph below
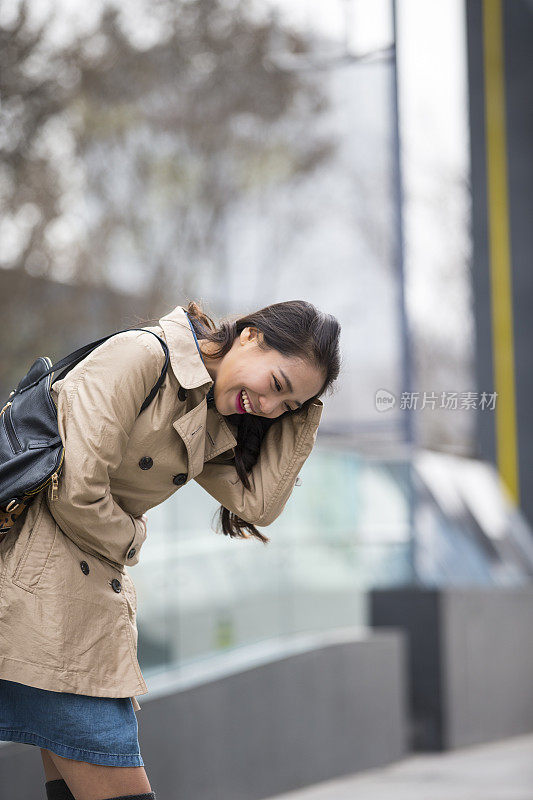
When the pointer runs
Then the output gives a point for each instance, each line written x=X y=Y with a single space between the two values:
x=294 y=328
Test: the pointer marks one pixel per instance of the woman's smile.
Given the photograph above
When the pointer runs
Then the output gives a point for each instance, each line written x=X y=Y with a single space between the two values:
x=243 y=402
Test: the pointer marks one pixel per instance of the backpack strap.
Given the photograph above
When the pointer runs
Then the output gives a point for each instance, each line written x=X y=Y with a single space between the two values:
x=68 y=362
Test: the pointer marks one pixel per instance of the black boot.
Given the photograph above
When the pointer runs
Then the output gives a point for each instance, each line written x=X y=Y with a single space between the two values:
x=147 y=796
x=58 y=790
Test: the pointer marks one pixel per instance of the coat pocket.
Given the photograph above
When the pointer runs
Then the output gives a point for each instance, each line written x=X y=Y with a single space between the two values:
x=36 y=551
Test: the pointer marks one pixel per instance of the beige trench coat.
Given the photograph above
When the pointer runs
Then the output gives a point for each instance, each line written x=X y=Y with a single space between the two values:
x=67 y=602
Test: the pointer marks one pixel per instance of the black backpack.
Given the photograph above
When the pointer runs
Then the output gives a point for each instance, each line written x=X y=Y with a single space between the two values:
x=31 y=450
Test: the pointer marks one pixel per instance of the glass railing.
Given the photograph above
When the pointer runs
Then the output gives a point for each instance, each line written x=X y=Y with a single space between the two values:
x=353 y=524
x=344 y=529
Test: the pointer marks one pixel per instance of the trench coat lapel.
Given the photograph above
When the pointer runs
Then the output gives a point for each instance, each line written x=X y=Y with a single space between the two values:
x=191 y=428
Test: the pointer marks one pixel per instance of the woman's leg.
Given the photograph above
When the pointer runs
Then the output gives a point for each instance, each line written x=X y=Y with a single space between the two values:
x=51 y=773
x=96 y=782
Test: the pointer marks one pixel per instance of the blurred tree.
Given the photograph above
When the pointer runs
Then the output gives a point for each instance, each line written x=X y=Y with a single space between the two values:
x=174 y=135
x=121 y=162
x=121 y=158
x=37 y=84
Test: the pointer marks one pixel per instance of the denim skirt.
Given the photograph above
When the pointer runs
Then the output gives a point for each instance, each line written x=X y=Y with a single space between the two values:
x=99 y=730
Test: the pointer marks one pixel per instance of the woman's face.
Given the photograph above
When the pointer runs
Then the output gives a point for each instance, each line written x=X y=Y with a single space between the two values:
x=265 y=375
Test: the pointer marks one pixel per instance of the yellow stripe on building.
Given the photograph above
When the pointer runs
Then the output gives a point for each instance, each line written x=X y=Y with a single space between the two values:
x=499 y=247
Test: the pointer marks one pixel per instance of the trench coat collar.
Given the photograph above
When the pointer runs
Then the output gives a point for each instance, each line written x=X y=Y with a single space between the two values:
x=185 y=360
x=204 y=430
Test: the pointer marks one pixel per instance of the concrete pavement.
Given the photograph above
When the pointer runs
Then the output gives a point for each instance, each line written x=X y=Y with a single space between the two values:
x=501 y=770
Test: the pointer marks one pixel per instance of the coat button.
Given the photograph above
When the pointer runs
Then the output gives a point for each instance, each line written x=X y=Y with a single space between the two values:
x=84 y=567
x=146 y=462
x=182 y=393
x=132 y=552
x=117 y=586
x=180 y=479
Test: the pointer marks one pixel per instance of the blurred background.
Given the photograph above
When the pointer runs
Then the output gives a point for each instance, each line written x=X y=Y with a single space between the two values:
x=374 y=158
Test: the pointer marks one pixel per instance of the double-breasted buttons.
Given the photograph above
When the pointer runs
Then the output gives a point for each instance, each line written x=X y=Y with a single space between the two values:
x=146 y=462
x=116 y=584
x=84 y=567
x=180 y=478
x=182 y=393
x=132 y=552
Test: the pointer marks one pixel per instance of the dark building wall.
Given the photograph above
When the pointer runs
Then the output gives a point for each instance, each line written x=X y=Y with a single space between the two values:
x=518 y=39
x=515 y=27
x=470 y=657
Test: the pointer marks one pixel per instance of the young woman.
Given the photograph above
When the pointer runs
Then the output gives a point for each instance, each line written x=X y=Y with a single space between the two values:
x=238 y=412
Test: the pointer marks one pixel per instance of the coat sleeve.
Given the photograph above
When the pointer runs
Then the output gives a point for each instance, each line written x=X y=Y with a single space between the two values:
x=284 y=450
x=97 y=404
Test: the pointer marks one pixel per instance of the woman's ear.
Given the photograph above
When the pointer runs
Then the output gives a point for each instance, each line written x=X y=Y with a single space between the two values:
x=250 y=333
